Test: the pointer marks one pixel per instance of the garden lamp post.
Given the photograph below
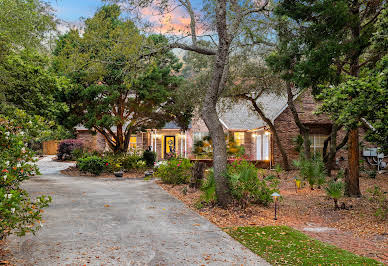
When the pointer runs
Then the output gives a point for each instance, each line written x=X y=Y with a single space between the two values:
x=275 y=196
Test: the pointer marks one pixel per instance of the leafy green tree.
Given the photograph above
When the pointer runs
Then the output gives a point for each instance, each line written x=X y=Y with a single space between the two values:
x=28 y=84
x=326 y=42
x=225 y=20
x=119 y=85
x=24 y=23
x=364 y=100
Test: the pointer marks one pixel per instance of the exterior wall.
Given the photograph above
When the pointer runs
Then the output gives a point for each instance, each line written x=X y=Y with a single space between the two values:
x=92 y=142
x=288 y=130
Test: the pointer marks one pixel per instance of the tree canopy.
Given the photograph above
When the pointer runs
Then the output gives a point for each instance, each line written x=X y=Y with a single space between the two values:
x=120 y=85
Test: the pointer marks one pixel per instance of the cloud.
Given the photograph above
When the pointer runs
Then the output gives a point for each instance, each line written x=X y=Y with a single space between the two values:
x=176 y=21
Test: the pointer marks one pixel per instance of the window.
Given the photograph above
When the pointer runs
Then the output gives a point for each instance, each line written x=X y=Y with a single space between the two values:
x=316 y=142
x=199 y=136
x=132 y=142
x=263 y=147
x=239 y=138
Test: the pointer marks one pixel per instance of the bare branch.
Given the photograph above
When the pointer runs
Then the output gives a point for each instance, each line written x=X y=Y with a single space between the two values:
x=194 y=48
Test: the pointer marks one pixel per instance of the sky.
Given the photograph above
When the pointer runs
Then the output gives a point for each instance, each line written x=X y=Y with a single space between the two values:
x=72 y=10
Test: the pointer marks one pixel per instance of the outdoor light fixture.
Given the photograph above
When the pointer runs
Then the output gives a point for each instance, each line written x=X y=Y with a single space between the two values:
x=297 y=184
x=275 y=196
x=267 y=133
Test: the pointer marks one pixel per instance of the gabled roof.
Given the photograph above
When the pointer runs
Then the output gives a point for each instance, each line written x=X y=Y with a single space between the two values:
x=241 y=116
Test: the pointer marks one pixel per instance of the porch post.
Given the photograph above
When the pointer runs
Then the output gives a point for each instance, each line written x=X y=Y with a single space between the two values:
x=156 y=137
x=181 y=137
x=185 y=144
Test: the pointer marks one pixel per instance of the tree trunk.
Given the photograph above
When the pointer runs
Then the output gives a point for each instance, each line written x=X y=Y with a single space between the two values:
x=352 y=179
x=286 y=165
x=209 y=108
x=333 y=149
x=197 y=176
x=304 y=131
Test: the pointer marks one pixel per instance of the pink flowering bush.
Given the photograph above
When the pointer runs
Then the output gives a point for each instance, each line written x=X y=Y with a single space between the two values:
x=175 y=171
x=19 y=213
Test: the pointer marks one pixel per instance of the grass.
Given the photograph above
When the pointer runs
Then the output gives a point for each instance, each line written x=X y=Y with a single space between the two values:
x=282 y=245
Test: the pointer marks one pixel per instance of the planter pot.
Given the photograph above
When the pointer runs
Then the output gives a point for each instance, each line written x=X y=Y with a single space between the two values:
x=119 y=174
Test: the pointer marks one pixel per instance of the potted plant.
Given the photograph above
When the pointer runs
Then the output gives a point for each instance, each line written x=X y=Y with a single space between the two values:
x=118 y=171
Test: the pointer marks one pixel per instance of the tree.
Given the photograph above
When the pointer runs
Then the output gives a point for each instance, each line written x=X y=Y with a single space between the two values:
x=250 y=79
x=24 y=23
x=332 y=41
x=119 y=86
x=28 y=84
x=226 y=19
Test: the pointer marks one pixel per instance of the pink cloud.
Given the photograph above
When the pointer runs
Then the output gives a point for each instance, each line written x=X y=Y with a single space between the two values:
x=175 y=22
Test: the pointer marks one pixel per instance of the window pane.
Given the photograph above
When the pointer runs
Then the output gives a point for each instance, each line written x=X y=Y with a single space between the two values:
x=239 y=138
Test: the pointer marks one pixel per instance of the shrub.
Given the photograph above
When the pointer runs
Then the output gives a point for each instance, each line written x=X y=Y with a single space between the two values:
x=19 y=213
x=209 y=189
x=246 y=187
x=335 y=190
x=93 y=164
x=149 y=157
x=141 y=164
x=176 y=171
x=244 y=183
x=66 y=148
x=78 y=153
x=126 y=162
x=313 y=171
x=378 y=197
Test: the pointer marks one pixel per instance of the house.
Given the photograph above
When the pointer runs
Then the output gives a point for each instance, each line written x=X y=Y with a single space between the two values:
x=246 y=126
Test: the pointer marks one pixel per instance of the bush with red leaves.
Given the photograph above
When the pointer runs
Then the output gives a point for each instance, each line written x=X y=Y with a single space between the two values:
x=66 y=148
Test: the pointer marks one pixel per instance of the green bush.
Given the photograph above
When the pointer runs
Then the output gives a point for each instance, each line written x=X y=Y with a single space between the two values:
x=246 y=187
x=335 y=190
x=176 y=171
x=126 y=162
x=244 y=183
x=149 y=157
x=93 y=164
x=313 y=171
x=209 y=189
x=130 y=162
x=377 y=196
x=19 y=212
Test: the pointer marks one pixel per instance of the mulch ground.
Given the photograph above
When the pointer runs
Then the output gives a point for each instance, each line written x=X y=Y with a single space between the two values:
x=357 y=230
x=73 y=171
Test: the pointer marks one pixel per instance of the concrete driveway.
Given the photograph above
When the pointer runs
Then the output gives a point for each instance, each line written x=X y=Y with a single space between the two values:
x=120 y=222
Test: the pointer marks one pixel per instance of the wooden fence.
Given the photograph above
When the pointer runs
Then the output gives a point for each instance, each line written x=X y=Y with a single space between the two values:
x=50 y=147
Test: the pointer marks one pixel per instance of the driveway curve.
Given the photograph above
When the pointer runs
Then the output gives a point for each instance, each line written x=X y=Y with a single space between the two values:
x=94 y=221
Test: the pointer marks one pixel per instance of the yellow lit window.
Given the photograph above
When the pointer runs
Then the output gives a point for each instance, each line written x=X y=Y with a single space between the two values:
x=239 y=138
x=132 y=142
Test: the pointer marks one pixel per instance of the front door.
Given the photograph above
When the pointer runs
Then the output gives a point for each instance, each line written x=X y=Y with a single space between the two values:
x=169 y=145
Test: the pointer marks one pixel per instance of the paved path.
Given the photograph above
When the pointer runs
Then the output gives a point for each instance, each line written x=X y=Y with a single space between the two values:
x=120 y=222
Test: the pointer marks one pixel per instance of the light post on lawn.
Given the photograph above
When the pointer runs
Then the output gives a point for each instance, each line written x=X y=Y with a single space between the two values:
x=275 y=196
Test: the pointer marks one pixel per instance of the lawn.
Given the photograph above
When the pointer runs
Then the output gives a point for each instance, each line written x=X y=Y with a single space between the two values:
x=282 y=245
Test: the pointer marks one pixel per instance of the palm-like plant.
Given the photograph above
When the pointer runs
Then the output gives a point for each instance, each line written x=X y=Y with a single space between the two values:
x=335 y=190
x=312 y=170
